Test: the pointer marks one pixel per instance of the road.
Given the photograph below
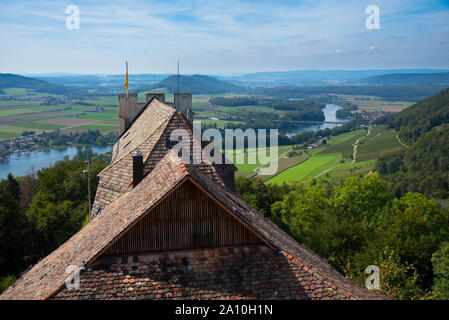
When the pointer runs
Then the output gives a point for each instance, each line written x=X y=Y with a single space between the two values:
x=399 y=140
x=357 y=143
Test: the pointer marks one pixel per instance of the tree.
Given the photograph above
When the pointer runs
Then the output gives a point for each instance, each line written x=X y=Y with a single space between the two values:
x=303 y=212
x=440 y=261
x=59 y=208
x=416 y=229
x=361 y=199
x=260 y=195
x=12 y=228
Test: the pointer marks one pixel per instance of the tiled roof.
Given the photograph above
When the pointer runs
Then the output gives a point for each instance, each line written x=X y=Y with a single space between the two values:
x=48 y=276
x=150 y=119
x=245 y=272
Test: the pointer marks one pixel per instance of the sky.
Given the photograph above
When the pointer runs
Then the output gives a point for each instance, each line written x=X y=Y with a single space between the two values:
x=221 y=36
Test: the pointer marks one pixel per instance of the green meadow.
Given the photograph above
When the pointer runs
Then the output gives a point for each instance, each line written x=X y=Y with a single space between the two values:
x=333 y=161
x=312 y=166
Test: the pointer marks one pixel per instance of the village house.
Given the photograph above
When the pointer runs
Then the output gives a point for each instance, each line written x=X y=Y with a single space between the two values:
x=161 y=228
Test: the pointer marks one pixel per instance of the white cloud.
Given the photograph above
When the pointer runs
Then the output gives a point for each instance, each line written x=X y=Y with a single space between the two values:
x=214 y=36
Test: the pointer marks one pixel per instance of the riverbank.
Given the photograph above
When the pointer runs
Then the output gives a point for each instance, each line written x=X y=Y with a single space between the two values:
x=22 y=165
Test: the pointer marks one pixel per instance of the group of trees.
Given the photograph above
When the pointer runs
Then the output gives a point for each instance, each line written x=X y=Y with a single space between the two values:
x=89 y=138
x=41 y=211
x=424 y=165
x=390 y=92
x=358 y=223
x=293 y=110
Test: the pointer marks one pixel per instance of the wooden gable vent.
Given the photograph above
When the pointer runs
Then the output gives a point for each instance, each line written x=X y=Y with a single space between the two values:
x=186 y=219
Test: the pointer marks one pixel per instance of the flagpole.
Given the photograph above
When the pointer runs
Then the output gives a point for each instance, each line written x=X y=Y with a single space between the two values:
x=126 y=81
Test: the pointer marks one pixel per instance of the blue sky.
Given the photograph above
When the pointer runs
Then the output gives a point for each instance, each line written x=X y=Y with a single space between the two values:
x=222 y=36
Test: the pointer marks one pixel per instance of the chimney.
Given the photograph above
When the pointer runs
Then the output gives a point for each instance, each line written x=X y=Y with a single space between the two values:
x=158 y=95
x=128 y=109
x=183 y=104
x=137 y=167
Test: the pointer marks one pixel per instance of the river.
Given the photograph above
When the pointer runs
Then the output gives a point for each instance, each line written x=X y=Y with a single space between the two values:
x=329 y=115
x=21 y=165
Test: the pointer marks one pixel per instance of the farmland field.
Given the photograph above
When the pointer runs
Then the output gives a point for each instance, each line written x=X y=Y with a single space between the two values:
x=334 y=160
x=343 y=143
x=250 y=167
x=308 y=168
x=378 y=144
x=38 y=125
x=372 y=103
x=219 y=123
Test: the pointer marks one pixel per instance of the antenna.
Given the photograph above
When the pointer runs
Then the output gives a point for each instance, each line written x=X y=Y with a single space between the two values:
x=178 y=76
x=88 y=180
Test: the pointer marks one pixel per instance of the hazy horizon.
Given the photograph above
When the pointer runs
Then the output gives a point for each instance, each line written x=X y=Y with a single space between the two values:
x=228 y=74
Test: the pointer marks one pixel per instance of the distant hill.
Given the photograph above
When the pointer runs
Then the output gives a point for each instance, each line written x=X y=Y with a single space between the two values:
x=425 y=79
x=197 y=84
x=308 y=77
x=393 y=93
x=424 y=165
x=103 y=80
x=8 y=80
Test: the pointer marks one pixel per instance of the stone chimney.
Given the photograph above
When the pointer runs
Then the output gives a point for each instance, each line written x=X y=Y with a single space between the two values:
x=183 y=103
x=137 y=167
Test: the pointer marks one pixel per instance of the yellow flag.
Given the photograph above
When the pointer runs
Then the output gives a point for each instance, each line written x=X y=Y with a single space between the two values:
x=126 y=78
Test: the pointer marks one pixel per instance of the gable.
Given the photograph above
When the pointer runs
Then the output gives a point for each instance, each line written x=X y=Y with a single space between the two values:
x=117 y=177
x=187 y=218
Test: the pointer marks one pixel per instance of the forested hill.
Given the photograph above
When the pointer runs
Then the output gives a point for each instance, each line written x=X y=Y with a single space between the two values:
x=393 y=93
x=423 y=79
x=198 y=84
x=423 y=166
x=8 y=80
x=421 y=117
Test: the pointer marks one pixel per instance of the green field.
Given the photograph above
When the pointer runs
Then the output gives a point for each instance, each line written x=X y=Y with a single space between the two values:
x=343 y=170
x=287 y=162
x=37 y=125
x=309 y=168
x=7 y=132
x=98 y=126
x=109 y=113
x=333 y=161
x=380 y=143
x=343 y=144
x=219 y=123
x=250 y=167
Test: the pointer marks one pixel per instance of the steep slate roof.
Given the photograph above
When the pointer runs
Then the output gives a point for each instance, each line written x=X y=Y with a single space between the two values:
x=148 y=133
x=144 y=132
x=47 y=277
